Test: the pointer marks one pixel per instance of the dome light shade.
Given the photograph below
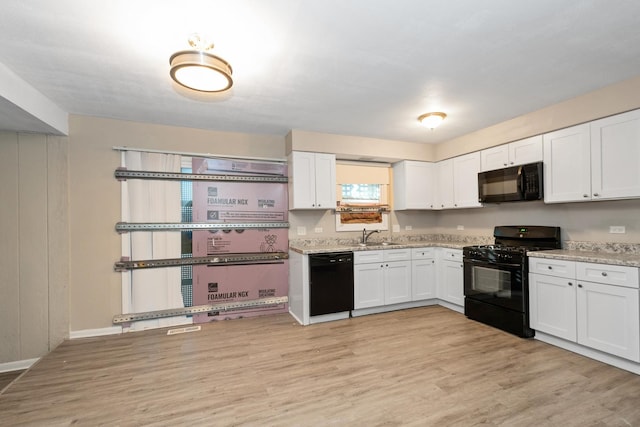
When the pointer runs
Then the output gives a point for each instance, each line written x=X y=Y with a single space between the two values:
x=431 y=120
x=200 y=71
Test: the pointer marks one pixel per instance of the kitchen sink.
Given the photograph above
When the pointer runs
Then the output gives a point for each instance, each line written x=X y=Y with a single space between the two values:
x=377 y=244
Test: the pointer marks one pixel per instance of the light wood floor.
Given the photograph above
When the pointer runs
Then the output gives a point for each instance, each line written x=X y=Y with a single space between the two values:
x=422 y=367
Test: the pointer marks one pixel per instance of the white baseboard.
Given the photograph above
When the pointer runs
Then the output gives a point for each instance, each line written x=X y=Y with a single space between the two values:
x=88 y=333
x=18 y=365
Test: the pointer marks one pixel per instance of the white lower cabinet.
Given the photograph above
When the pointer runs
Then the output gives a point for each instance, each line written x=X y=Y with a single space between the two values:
x=423 y=274
x=451 y=276
x=552 y=302
x=608 y=319
x=603 y=315
x=368 y=284
x=381 y=277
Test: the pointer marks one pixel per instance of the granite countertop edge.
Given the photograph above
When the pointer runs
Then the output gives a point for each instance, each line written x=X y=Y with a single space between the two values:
x=629 y=260
x=319 y=249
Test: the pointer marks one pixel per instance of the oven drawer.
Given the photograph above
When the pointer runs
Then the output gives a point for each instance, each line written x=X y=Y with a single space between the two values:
x=618 y=275
x=553 y=267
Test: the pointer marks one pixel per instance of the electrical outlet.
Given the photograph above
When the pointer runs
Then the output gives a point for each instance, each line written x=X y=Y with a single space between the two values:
x=461 y=227
x=408 y=227
x=396 y=228
x=318 y=230
x=302 y=231
x=617 y=229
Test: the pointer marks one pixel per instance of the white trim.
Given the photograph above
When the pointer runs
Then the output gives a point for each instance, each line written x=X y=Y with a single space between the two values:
x=609 y=359
x=18 y=365
x=328 y=317
x=211 y=155
x=393 y=307
x=22 y=95
x=363 y=163
x=88 y=333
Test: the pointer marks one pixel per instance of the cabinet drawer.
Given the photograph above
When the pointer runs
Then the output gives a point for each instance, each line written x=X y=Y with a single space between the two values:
x=422 y=253
x=452 y=255
x=619 y=275
x=364 y=257
x=553 y=267
x=396 y=254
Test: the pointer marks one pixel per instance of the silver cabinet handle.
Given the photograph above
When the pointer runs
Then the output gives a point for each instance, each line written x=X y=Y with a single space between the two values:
x=579 y=285
x=549 y=267
x=604 y=273
x=596 y=194
x=585 y=195
x=570 y=284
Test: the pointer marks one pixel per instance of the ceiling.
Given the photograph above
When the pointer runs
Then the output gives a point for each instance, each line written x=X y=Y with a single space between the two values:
x=350 y=67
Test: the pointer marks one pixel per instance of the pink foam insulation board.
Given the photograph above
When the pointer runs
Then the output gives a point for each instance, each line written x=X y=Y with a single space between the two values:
x=219 y=284
x=239 y=202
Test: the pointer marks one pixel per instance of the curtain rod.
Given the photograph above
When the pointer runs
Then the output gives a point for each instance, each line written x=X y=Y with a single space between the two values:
x=208 y=155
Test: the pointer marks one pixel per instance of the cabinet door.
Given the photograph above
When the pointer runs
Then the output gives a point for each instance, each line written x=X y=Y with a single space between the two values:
x=552 y=305
x=325 y=181
x=423 y=283
x=451 y=284
x=397 y=279
x=525 y=151
x=494 y=158
x=445 y=184
x=615 y=156
x=567 y=165
x=608 y=319
x=413 y=185
x=368 y=281
x=465 y=180
x=302 y=180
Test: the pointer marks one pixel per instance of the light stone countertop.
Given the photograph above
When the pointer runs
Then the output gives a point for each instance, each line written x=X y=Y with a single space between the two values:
x=612 y=258
x=353 y=247
x=318 y=246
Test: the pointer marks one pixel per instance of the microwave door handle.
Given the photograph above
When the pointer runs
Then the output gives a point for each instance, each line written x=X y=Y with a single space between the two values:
x=521 y=178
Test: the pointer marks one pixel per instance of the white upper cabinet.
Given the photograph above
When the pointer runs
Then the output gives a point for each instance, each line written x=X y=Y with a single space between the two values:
x=444 y=195
x=615 y=156
x=465 y=183
x=413 y=185
x=312 y=180
x=521 y=152
x=457 y=182
x=567 y=165
x=594 y=161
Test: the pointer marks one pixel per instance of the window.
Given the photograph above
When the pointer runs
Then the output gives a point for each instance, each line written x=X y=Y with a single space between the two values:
x=362 y=192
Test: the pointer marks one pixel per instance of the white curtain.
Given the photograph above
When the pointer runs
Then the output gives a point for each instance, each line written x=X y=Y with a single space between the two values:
x=152 y=201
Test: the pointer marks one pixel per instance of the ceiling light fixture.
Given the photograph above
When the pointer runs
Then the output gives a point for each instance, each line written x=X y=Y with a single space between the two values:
x=199 y=70
x=431 y=120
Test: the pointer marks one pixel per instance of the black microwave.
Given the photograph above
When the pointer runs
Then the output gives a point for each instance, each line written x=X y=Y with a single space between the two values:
x=511 y=184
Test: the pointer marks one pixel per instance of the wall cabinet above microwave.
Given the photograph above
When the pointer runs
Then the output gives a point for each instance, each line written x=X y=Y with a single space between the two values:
x=521 y=152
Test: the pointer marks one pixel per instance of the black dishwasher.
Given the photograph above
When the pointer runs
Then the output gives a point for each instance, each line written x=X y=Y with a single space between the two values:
x=330 y=283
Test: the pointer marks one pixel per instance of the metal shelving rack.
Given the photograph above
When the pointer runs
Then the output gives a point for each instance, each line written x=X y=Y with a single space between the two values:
x=228 y=259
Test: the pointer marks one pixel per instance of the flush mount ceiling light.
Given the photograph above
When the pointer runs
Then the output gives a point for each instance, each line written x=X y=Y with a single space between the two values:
x=199 y=70
x=431 y=120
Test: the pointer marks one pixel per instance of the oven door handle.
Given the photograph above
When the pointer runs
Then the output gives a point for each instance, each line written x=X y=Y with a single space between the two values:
x=496 y=265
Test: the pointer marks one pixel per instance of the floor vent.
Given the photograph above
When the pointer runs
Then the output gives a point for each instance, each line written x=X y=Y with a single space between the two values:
x=184 y=330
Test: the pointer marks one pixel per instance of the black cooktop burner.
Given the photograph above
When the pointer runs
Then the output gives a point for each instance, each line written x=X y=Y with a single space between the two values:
x=513 y=243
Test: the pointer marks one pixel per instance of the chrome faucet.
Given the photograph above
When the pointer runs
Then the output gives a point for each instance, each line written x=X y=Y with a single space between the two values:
x=366 y=235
